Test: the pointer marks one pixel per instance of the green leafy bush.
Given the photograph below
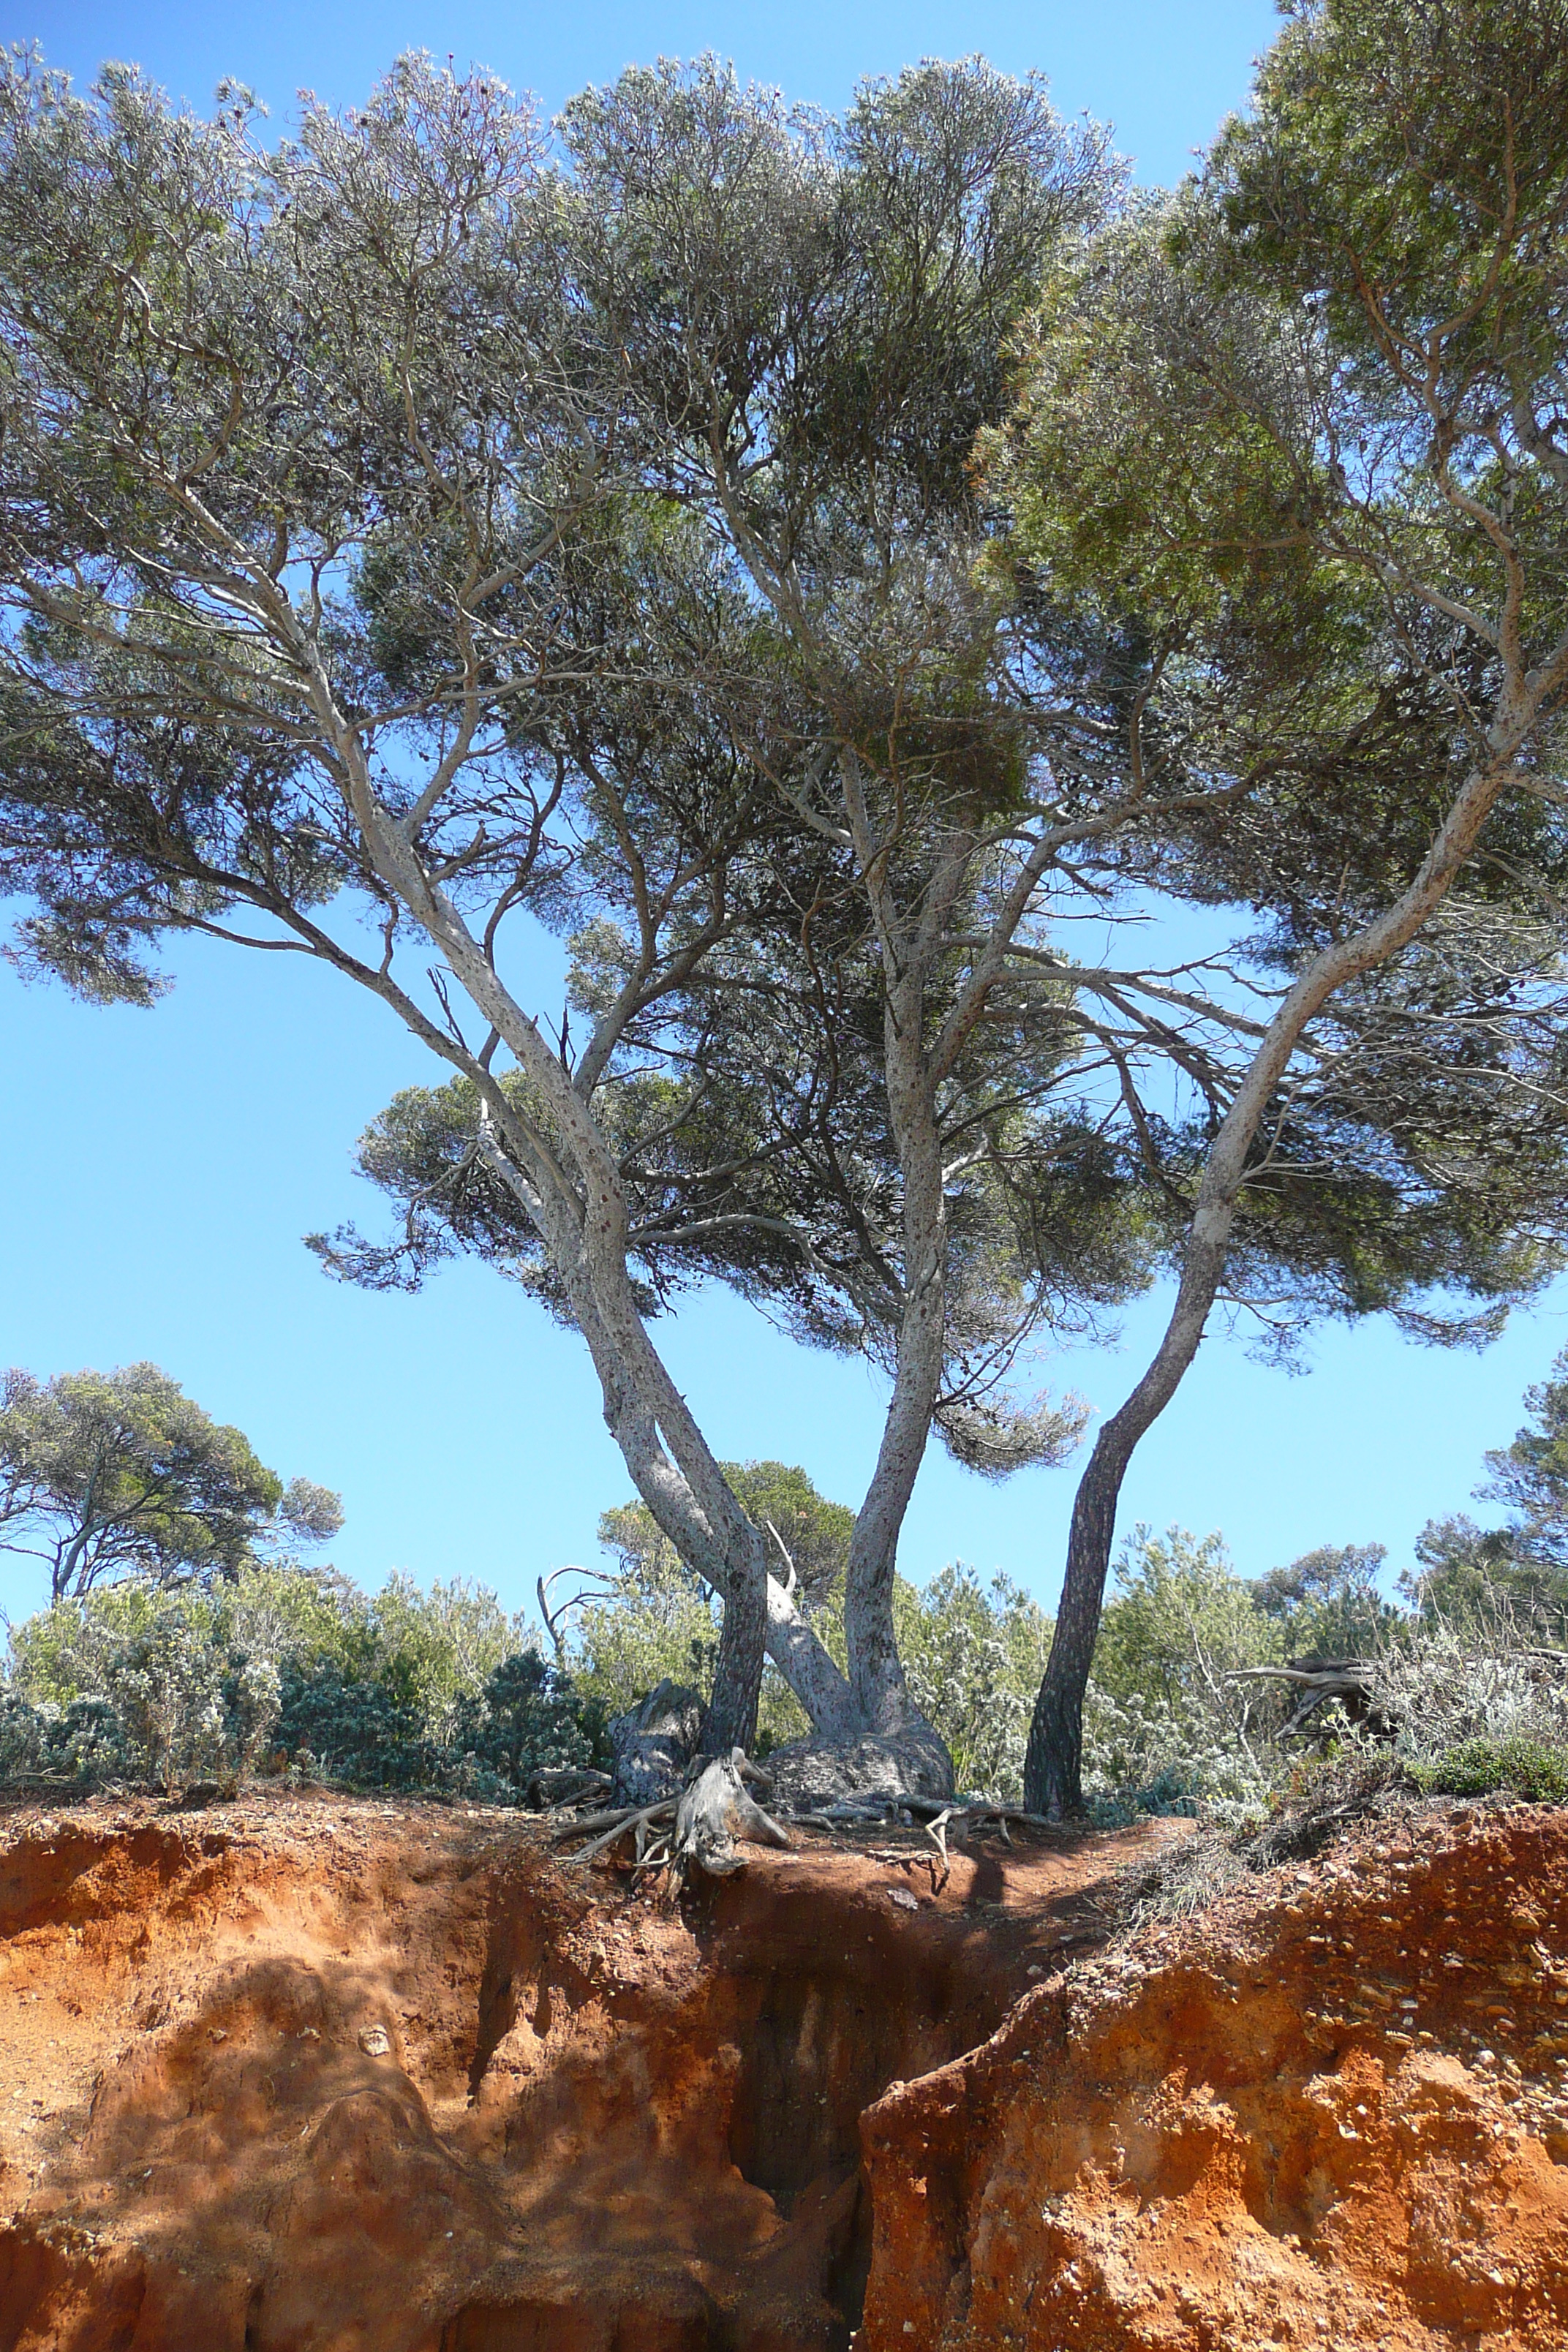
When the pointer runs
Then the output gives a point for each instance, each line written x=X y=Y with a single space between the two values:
x=650 y=1625
x=139 y=1682
x=529 y=1718
x=287 y=1669
x=1165 y=1729
x=1530 y=1768
x=1178 y=1620
x=83 y=1742
x=973 y=1660
x=357 y=1732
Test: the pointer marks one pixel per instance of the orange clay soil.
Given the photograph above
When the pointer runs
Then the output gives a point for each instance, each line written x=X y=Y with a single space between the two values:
x=321 y=2074
x=357 y=2077
x=1329 y=2113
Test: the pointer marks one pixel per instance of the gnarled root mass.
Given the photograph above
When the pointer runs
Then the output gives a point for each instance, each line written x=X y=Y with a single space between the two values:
x=890 y=1767
x=717 y=1814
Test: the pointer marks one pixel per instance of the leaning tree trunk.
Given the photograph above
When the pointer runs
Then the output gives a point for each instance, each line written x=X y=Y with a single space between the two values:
x=1053 y=1764
x=688 y=1496
x=1053 y=1761
x=876 y=1671
x=731 y=1719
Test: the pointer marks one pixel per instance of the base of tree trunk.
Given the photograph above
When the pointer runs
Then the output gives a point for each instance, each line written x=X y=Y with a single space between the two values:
x=653 y=1745
x=809 y=1773
x=716 y=1815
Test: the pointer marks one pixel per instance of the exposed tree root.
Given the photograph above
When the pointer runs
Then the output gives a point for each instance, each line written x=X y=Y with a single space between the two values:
x=716 y=1814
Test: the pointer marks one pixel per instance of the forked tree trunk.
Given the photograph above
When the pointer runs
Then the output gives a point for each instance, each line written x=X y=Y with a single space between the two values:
x=1053 y=1764
x=691 y=1499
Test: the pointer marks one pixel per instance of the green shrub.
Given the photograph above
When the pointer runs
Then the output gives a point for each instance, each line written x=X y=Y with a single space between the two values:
x=1166 y=1729
x=973 y=1660
x=137 y=1683
x=365 y=1733
x=289 y=1668
x=1536 y=1768
x=529 y=1718
x=650 y=1628
x=1179 y=1618
x=82 y=1742
x=359 y=1732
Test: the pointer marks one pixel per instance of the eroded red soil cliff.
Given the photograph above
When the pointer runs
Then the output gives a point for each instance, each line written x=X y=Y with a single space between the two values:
x=1330 y=2113
x=335 y=2076
x=379 y=2078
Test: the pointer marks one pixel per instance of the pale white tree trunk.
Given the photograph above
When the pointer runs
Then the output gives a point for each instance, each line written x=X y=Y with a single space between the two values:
x=567 y=1182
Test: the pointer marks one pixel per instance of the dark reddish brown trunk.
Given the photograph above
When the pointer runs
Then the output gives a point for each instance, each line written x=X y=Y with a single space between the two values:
x=1053 y=1761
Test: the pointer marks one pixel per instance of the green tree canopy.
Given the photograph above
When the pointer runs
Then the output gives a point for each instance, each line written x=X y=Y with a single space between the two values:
x=1327 y=1601
x=412 y=576
x=1299 y=428
x=416 y=530
x=105 y=1475
x=1531 y=1475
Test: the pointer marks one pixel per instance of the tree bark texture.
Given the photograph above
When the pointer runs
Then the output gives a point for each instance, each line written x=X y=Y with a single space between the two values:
x=688 y=1495
x=731 y=1720
x=876 y=1674
x=875 y=1670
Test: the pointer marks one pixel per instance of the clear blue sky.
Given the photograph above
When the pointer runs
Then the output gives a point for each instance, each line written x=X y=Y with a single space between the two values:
x=157 y=1169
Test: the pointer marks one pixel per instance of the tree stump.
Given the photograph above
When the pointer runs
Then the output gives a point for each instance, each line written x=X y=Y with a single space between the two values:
x=716 y=1814
x=654 y=1744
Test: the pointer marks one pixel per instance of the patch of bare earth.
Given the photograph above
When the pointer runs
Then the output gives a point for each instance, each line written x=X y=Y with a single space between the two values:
x=333 y=2076
x=320 y=2074
x=1330 y=2112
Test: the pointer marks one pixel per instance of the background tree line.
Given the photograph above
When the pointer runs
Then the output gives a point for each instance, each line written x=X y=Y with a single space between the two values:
x=165 y=1671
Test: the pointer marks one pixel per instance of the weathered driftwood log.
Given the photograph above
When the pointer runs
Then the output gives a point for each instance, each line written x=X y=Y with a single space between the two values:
x=1319 y=1681
x=717 y=1813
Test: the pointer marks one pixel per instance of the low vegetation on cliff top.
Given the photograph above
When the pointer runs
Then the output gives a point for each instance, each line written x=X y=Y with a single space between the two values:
x=1201 y=1699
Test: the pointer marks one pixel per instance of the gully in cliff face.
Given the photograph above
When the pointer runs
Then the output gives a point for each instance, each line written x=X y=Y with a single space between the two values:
x=333 y=2073
x=340 y=2076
